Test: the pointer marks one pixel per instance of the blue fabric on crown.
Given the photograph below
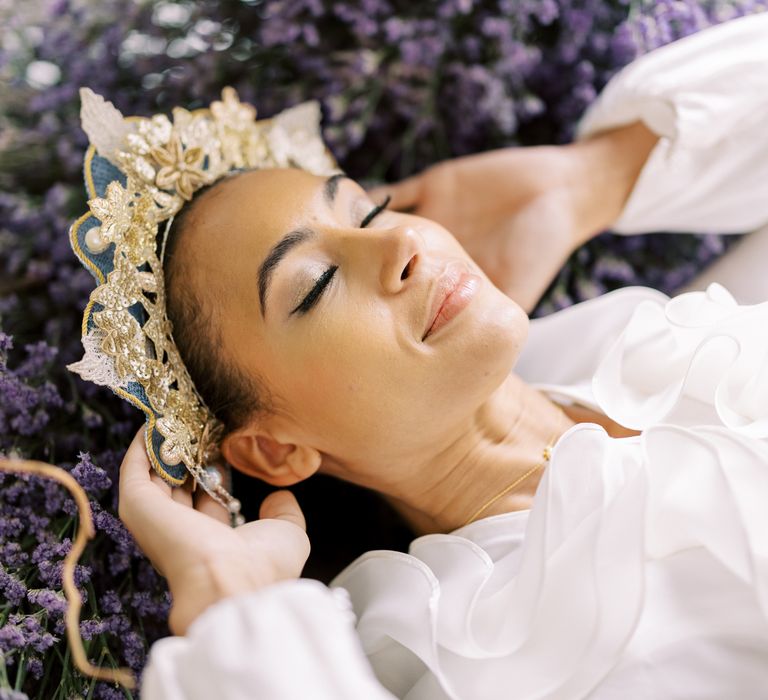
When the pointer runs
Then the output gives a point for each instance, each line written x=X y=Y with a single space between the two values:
x=98 y=173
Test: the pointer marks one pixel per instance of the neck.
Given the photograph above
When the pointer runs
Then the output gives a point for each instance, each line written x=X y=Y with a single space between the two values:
x=503 y=441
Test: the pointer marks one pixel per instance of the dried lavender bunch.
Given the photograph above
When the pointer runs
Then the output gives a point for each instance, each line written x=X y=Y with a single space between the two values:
x=402 y=85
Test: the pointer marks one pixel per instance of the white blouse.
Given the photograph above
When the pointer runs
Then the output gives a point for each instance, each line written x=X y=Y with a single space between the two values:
x=641 y=570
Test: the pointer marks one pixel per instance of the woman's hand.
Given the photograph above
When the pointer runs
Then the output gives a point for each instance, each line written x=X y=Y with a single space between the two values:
x=521 y=212
x=189 y=540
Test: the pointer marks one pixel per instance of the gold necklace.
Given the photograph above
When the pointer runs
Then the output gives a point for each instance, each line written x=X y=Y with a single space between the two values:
x=546 y=454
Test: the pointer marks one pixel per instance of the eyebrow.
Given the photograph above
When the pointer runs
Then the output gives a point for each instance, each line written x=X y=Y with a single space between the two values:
x=291 y=240
x=331 y=187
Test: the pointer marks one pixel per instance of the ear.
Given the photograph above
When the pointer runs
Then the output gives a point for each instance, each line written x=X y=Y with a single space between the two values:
x=257 y=453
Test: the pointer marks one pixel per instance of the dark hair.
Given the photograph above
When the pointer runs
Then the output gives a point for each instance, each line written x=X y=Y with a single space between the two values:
x=329 y=505
x=231 y=395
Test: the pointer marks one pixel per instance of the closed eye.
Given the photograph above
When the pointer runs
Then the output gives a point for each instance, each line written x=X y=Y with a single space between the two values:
x=375 y=212
x=314 y=294
x=325 y=279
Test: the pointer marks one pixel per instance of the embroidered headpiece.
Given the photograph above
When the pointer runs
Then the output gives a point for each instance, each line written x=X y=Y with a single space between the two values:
x=138 y=173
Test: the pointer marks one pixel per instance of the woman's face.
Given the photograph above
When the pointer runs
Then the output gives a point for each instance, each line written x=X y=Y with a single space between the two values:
x=329 y=302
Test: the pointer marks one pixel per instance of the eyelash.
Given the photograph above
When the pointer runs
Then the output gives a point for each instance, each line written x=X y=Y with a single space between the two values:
x=311 y=299
x=375 y=212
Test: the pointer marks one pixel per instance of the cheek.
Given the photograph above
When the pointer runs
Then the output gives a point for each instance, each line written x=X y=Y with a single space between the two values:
x=355 y=389
x=335 y=380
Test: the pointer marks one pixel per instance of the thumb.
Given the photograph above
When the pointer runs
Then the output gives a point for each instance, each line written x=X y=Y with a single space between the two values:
x=405 y=194
x=282 y=505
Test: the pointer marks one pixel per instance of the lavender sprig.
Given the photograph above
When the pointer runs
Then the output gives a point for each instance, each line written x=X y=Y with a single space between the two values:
x=402 y=85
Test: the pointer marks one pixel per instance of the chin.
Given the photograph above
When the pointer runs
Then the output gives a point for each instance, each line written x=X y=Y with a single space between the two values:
x=503 y=330
x=487 y=343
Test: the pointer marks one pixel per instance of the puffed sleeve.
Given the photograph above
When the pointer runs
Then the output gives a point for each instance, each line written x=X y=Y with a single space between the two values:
x=294 y=639
x=706 y=95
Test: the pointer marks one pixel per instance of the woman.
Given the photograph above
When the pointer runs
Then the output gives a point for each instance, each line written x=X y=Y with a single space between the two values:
x=633 y=566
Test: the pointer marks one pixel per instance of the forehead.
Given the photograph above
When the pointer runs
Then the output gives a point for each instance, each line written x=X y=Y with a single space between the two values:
x=244 y=216
x=263 y=197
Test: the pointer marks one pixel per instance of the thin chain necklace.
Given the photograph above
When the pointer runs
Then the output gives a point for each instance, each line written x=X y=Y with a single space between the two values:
x=546 y=454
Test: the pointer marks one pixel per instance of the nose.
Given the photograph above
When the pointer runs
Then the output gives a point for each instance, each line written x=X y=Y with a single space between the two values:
x=390 y=254
x=401 y=248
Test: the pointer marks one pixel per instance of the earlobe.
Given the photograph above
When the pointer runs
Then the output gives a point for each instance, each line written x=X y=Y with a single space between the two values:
x=260 y=455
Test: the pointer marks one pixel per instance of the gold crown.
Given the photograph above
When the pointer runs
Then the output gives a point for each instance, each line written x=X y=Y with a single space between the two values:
x=139 y=172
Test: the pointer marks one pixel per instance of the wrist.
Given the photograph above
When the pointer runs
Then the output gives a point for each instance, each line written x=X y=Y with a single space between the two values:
x=605 y=168
x=207 y=582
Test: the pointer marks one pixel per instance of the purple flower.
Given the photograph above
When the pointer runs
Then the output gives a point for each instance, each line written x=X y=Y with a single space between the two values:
x=47 y=551
x=51 y=601
x=108 y=692
x=134 y=649
x=34 y=666
x=147 y=605
x=92 y=628
x=35 y=636
x=92 y=478
x=402 y=85
x=111 y=603
x=12 y=555
x=11 y=638
x=12 y=590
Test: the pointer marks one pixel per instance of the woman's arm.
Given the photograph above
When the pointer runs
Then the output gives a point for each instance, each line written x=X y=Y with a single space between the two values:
x=521 y=212
x=675 y=142
x=605 y=169
x=706 y=96
x=189 y=540
x=290 y=640
x=251 y=630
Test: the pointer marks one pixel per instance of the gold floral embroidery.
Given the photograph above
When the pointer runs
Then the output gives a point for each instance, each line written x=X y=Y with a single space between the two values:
x=115 y=211
x=125 y=286
x=177 y=443
x=236 y=115
x=180 y=168
x=165 y=161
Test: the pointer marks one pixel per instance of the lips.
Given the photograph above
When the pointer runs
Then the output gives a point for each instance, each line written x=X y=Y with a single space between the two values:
x=453 y=291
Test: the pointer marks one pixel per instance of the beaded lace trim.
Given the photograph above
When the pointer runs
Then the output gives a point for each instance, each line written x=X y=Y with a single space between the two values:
x=164 y=162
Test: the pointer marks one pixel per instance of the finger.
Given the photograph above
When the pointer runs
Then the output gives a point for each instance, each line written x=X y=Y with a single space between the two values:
x=144 y=496
x=141 y=487
x=205 y=504
x=135 y=466
x=183 y=494
x=405 y=194
x=282 y=505
x=161 y=483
